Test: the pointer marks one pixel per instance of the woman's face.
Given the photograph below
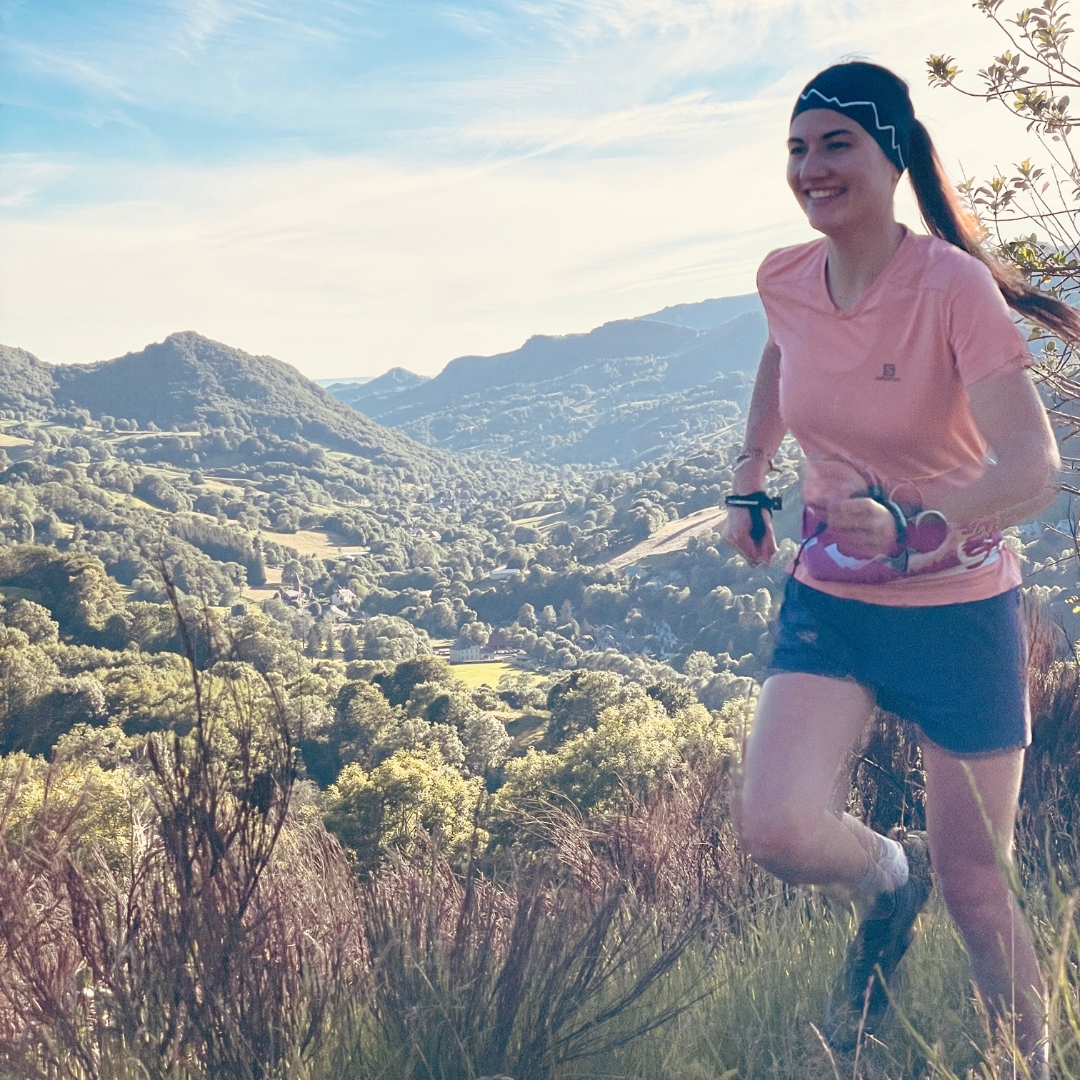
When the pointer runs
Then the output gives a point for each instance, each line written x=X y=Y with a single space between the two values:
x=839 y=174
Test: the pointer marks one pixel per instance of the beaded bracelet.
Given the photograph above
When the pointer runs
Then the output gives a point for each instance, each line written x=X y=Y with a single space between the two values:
x=754 y=455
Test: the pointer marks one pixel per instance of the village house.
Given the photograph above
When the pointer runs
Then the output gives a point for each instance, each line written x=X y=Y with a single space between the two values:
x=466 y=652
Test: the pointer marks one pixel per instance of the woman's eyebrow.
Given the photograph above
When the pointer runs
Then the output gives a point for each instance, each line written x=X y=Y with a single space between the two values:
x=827 y=135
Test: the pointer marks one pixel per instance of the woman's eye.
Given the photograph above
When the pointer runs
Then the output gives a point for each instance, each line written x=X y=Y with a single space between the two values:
x=837 y=144
x=797 y=151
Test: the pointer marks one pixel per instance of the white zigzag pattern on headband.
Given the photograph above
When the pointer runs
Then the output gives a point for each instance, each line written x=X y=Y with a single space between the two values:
x=877 y=120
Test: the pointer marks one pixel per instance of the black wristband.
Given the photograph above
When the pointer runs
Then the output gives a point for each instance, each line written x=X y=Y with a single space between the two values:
x=756 y=502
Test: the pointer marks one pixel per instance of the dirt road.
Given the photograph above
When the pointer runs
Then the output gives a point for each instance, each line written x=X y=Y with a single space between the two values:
x=672 y=537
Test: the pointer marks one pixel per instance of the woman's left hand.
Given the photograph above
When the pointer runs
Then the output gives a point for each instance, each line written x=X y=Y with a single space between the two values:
x=861 y=527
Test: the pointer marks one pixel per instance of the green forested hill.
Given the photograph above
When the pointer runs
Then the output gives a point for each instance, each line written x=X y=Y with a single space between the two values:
x=233 y=473
x=188 y=379
x=380 y=551
x=26 y=384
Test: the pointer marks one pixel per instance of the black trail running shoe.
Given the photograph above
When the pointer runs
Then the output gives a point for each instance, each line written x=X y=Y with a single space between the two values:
x=858 y=1004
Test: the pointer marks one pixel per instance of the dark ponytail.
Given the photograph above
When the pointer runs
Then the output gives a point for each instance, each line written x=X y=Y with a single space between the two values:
x=947 y=219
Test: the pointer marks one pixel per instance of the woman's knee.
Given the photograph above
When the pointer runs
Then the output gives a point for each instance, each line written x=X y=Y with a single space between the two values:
x=779 y=836
x=977 y=895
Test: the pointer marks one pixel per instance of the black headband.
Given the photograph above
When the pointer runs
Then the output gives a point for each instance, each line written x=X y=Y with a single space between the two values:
x=871 y=96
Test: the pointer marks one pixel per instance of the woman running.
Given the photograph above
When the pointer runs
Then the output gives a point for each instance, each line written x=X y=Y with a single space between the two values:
x=893 y=360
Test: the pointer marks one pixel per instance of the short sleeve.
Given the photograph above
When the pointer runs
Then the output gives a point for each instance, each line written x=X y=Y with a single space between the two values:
x=765 y=293
x=777 y=264
x=763 y=272
x=982 y=334
x=763 y=280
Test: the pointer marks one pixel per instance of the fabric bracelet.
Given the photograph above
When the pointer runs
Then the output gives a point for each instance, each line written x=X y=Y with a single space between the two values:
x=756 y=502
x=754 y=455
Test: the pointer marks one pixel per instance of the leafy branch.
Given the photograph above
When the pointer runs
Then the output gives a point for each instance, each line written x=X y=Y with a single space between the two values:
x=1034 y=80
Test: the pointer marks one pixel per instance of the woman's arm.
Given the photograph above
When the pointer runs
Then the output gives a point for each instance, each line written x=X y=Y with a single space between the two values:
x=1021 y=480
x=765 y=432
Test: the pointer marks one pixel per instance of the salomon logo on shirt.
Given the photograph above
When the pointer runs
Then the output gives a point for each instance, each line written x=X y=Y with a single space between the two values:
x=888 y=374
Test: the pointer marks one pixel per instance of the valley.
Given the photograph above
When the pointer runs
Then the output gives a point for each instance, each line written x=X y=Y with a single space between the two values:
x=221 y=581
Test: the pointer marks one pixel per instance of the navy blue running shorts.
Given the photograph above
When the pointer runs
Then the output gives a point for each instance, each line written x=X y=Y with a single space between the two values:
x=958 y=671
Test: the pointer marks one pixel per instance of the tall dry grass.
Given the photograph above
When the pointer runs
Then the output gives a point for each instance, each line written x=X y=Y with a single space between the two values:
x=565 y=956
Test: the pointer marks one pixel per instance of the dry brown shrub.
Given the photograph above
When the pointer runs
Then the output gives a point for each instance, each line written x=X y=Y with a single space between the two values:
x=1050 y=794
x=563 y=956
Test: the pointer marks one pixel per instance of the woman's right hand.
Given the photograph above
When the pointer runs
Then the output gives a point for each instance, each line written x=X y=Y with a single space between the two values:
x=737 y=534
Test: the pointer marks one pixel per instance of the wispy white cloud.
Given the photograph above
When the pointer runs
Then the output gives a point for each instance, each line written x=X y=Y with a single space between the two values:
x=351 y=266
x=199 y=23
x=22 y=176
x=593 y=20
x=601 y=158
x=199 y=20
x=69 y=65
x=640 y=75
x=645 y=129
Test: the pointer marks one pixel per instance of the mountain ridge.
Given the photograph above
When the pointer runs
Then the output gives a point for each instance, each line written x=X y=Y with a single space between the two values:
x=188 y=379
x=626 y=390
x=700 y=315
x=707 y=314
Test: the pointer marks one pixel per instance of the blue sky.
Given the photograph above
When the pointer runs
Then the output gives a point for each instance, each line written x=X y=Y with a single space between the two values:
x=351 y=185
x=212 y=81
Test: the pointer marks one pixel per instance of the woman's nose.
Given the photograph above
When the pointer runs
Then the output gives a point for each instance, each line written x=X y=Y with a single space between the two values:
x=813 y=165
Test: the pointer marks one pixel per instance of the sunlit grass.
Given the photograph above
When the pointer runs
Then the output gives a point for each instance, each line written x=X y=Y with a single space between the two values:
x=764 y=997
x=487 y=673
x=761 y=992
x=310 y=542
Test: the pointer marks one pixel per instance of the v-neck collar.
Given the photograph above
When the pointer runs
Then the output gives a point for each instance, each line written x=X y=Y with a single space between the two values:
x=868 y=293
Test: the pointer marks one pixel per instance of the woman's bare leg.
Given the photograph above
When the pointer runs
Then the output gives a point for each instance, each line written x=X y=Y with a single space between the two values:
x=964 y=829
x=803 y=731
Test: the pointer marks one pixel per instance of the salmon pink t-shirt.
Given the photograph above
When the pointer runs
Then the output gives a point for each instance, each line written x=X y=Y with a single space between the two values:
x=877 y=395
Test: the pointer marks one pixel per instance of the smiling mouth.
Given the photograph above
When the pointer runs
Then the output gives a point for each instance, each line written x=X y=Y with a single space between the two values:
x=824 y=193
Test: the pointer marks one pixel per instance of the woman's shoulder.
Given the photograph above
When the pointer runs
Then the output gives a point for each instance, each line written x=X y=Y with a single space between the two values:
x=982 y=330
x=946 y=268
x=791 y=264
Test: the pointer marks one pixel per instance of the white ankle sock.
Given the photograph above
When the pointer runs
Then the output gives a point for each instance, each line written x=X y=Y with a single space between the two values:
x=893 y=863
x=887 y=873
